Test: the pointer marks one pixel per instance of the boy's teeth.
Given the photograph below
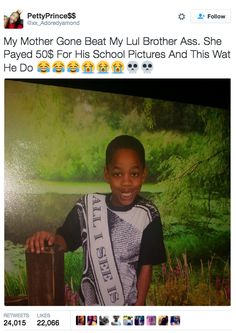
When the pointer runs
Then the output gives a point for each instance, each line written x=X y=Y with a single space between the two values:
x=126 y=194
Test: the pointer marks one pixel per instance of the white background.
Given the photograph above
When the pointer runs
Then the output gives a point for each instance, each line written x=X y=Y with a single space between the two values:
x=133 y=18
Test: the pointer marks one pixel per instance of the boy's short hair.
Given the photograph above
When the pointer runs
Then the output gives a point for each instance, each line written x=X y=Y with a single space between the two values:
x=125 y=142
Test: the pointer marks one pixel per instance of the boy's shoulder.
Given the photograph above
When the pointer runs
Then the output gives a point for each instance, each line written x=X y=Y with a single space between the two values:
x=147 y=204
x=140 y=200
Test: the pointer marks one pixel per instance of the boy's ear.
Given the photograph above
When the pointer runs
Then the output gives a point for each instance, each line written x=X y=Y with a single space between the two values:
x=145 y=172
x=106 y=174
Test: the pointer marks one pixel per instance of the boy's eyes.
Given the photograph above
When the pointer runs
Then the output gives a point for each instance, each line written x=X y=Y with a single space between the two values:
x=116 y=174
x=135 y=174
x=132 y=174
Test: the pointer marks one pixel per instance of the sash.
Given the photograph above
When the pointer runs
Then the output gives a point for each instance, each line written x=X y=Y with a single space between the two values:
x=100 y=251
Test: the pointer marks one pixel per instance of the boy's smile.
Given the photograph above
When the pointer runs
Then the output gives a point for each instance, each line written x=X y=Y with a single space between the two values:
x=125 y=174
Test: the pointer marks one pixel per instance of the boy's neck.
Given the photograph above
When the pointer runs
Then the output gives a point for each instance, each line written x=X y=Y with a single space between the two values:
x=119 y=208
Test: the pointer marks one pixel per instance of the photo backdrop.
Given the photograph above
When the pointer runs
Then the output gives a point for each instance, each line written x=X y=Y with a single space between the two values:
x=55 y=141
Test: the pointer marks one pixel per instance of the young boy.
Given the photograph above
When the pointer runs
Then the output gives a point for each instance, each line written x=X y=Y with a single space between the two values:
x=120 y=232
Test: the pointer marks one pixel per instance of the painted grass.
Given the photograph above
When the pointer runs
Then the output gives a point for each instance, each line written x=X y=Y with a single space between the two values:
x=178 y=282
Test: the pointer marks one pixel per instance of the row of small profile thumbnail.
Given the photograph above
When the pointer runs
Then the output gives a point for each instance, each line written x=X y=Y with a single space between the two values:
x=127 y=320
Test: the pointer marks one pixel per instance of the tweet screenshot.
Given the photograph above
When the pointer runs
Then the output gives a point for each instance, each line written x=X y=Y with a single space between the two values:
x=116 y=195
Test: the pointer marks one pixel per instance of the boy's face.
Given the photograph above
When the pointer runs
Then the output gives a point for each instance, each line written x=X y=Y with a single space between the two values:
x=125 y=174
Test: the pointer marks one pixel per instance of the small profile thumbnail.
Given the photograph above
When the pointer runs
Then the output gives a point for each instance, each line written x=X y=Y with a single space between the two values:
x=103 y=320
x=163 y=320
x=14 y=20
x=139 y=320
x=116 y=321
x=151 y=320
x=175 y=320
x=91 y=320
x=80 y=320
x=128 y=320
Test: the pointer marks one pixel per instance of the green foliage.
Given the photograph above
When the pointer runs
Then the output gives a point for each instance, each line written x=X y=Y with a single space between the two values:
x=132 y=123
x=73 y=269
x=149 y=118
x=160 y=148
x=14 y=257
x=180 y=283
x=15 y=284
x=196 y=245
x=15 y=273
x=198 y=181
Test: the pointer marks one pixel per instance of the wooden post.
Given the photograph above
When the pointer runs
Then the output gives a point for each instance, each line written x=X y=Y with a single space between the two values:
x=45 y=277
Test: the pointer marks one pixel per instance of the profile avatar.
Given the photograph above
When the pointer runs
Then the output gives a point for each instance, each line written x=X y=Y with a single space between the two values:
x=116 y=321
x=43 y=67
x=117 y=67
x=73 y=67
x=14 y=21
x=88 y=67
x=80 y=320
x=58 y=67
x=163 y=320
x=103 y=67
